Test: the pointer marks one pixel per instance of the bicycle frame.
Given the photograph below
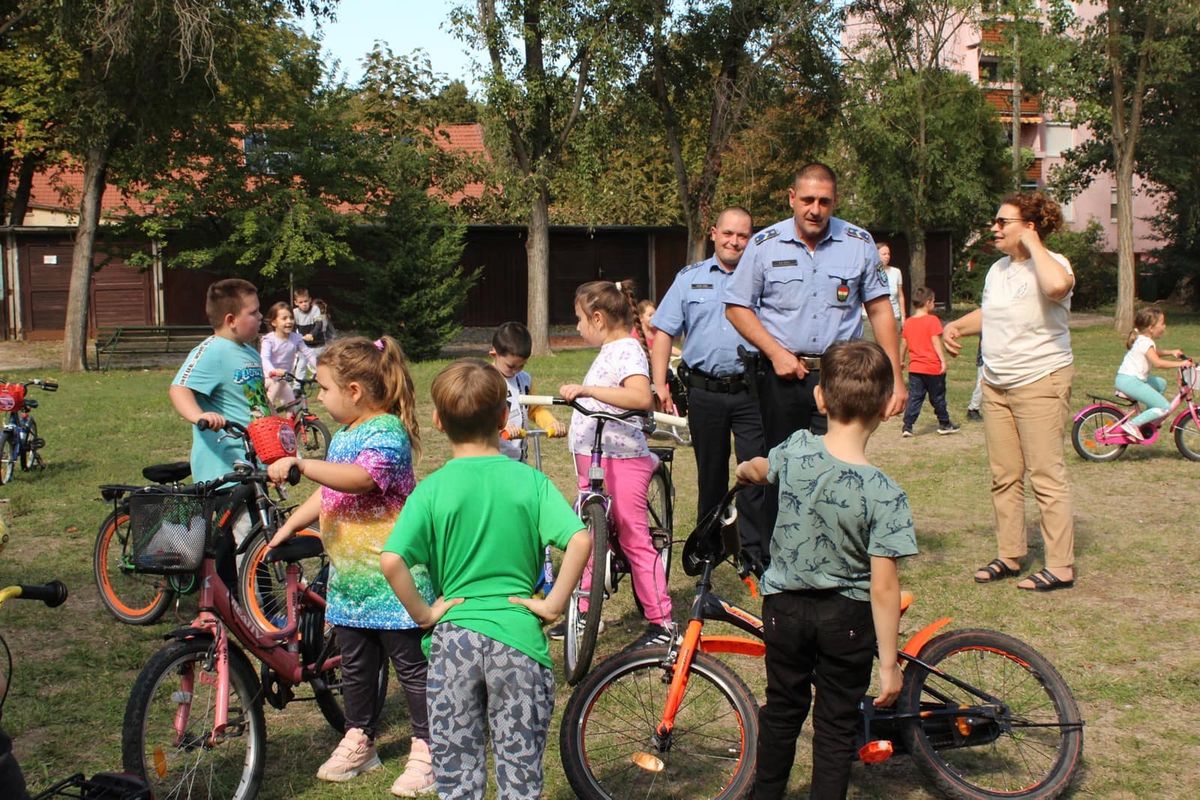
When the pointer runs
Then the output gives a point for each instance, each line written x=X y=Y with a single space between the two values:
x=1114 y=435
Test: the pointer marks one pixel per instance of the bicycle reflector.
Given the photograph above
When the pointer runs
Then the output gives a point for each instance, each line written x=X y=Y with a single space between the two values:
x=273 y=438
x=12 y=396
x=875 y=751
x=647 y=761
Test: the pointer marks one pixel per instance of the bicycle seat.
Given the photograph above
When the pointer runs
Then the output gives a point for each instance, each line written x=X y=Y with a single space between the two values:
x=297 y=549
x=31 y=403
x=714 y=539
x=167 y=473
x=664 y=454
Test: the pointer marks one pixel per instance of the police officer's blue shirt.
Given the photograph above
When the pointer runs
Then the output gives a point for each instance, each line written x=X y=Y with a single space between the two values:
x=693 y=306
x=807 y=299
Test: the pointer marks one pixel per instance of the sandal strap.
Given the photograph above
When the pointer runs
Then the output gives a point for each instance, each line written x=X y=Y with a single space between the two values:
x=997 y=568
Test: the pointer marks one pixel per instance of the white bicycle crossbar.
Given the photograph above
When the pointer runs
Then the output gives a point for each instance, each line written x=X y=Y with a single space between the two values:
x=548 y=400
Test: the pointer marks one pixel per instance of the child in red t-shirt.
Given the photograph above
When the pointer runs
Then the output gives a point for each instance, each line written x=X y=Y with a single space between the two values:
x=921 y=338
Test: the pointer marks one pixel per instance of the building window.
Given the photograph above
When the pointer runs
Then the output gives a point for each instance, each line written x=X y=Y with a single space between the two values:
x=1112 y=207
x=1058 y=138
x=1068 y=211
x=261 y=159
x=989 y=69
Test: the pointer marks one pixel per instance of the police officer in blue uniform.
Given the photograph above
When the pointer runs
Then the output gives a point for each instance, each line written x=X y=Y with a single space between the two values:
x=720 y=402
x=799 y=288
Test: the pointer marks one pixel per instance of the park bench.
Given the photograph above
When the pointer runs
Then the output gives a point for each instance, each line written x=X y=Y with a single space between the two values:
x=145 y=340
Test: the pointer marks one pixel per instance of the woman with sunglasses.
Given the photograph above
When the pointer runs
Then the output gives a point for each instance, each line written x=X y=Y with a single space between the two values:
x=1027 y=371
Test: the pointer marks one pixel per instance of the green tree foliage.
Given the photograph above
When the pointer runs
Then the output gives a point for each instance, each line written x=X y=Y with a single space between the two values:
x=1122 y=58
x=329 y=177
x=929 y=147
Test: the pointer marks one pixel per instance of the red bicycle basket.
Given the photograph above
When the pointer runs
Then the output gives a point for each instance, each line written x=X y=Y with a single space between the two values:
x=273 y=438
x=12 y=396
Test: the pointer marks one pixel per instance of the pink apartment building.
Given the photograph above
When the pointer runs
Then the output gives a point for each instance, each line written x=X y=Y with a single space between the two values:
x=979 y=52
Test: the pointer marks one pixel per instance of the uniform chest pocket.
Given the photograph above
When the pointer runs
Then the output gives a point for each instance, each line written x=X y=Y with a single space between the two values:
x=841 y=292
x=783 y=288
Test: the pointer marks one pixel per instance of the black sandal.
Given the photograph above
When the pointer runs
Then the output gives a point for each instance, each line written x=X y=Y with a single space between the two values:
x=996 y=570
x=1046 y=581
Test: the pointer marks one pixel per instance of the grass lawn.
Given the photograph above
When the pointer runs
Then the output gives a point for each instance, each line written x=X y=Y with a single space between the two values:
x=1125 y=638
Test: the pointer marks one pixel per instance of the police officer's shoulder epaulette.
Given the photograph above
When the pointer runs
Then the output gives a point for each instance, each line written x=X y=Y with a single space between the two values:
x=858 y=234
x=691 y=267
x=769 y=233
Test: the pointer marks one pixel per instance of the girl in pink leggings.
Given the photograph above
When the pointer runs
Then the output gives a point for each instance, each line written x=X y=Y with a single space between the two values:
x=619 y=379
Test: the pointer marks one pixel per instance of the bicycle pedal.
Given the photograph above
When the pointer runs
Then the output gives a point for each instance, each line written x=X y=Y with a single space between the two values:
x=37 y=443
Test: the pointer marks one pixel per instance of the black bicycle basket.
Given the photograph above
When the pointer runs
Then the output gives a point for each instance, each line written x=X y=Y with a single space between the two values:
x=170 y=530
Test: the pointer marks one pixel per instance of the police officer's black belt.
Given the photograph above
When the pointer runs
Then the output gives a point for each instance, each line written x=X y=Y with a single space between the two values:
x=696 y=379
x=811 y=362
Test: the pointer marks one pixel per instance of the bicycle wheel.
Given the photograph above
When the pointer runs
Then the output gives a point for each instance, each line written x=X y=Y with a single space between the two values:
x=1187 y=439
x=314 y=438
x=579 y=641
x=1028 y=743
x=264 y=586
x=8 y=458
x=132 y=597
x=1083 y=435
x=607 y=739
x=31 y=458
x=167 y=733
x=659 y=509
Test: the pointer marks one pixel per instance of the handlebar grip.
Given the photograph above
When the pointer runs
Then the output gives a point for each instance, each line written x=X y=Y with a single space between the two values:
x=53 y=594
x=506 y=436
x=202 y=424
x=293 y=476
x=50 y=386
x=670 y=419
x=536 y=400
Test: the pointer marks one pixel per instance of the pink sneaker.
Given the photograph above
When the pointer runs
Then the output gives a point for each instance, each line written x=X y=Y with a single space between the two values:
x=353 y=756
x=417 y=778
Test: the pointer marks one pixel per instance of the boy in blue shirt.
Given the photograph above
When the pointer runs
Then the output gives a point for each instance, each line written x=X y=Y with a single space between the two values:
x=222 y=377
x=511 y=347
x=831 y=592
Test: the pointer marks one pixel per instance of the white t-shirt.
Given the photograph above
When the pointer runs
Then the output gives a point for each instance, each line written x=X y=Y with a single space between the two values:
x=615 y=362
x=1135 y=362
x=895 y=280
x=518 y=385
x=1025 y=334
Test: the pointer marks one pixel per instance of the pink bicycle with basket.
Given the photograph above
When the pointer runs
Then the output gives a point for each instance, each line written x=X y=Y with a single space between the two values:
x=1098 y=436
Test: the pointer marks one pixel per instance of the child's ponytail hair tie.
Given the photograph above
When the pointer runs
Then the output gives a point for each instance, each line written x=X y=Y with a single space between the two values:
x=378 y=345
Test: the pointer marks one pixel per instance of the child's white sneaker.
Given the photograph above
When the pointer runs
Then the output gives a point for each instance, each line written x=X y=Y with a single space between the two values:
x=1133 y=431
x=417 y=778
x=353 y=756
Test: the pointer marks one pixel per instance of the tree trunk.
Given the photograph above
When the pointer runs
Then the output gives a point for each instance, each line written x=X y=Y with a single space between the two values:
x=537 y=255
x=697 y=241
x=76 y=331
x=916 y=261
x=1126 y=264
x=20 y=204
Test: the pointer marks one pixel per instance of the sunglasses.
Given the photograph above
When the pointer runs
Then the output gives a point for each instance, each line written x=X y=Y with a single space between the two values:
x=1002 y=221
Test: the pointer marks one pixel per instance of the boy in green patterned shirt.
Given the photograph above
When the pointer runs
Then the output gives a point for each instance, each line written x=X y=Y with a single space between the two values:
x=831 y=592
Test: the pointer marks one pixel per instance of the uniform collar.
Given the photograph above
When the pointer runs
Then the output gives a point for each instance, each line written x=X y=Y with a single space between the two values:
x=714 y=264
x=836 y=231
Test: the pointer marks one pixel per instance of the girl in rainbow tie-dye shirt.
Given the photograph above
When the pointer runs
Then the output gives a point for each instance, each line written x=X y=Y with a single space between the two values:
x=365 y=480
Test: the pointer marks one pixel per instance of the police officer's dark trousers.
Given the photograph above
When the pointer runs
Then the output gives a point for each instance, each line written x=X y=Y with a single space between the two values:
x=711 y=418
x=821 y=639
x=786 y=406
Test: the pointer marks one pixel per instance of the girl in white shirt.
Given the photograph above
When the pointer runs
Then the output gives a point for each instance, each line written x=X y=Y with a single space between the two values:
x=281 y=349
x=1133 y=376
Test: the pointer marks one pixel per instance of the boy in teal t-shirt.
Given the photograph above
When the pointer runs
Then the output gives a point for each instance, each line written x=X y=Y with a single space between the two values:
x=481 y=523
x=222 y=378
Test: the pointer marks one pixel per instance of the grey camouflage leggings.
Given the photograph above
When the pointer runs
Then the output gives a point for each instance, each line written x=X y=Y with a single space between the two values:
x=472 y=676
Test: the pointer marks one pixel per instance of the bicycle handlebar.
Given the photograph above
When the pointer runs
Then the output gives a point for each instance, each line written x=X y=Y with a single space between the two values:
x=243 y=476
x=523 y=433
x=53 y=594
x=549 y=400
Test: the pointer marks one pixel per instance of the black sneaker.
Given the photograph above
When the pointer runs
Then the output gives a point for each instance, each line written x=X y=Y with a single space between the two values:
x=654 y=636
x=558 y=631
x=949 y=427
x=973 y=415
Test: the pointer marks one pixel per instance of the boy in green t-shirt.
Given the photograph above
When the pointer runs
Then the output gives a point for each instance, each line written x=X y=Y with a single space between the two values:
x=481 y=523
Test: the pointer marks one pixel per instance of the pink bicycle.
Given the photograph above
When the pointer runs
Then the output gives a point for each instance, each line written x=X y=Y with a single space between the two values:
x=1097 y=433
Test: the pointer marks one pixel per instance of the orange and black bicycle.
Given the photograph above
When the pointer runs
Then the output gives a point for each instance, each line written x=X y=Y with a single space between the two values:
x=982 y=714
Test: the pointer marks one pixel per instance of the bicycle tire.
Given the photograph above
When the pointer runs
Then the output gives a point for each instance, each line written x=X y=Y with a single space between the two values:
x=314 y=439
x=660 y=512
x=1083 y=435
x=185 y=766
x=614 y=712
x=132 y=597
x=8 y=460
x=31 y=458
x=262 y=586
x=579 y=641
x=1029 y=749
x=1187 y=438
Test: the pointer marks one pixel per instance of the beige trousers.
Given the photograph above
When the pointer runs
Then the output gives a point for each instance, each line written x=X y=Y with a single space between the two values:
x=1023 y=428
